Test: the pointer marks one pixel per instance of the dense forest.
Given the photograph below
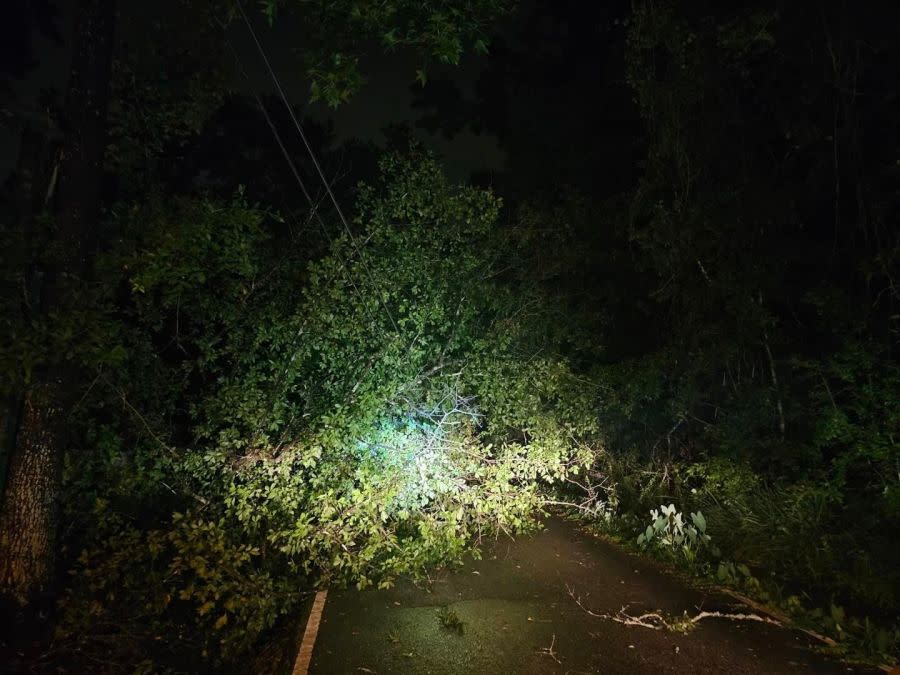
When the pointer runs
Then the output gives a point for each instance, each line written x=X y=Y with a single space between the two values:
x=244 y=358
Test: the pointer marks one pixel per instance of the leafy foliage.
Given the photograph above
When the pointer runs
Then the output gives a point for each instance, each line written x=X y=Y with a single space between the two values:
x=742 y=304
x=714 y=325
x=668 y=529
x=440 y=31
x=371 y=415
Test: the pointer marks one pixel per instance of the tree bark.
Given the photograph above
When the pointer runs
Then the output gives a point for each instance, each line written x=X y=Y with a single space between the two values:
x=33 y=186
x=30 y=505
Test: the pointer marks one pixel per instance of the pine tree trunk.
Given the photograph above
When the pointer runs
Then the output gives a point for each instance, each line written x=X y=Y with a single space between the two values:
x=30 y=504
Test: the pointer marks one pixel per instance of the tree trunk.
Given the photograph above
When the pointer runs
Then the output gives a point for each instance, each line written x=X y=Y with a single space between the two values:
x=28 y=514
x=33 y=186
x=28 y=524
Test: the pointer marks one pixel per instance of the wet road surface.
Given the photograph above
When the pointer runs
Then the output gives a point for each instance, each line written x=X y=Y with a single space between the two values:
x=512 y=613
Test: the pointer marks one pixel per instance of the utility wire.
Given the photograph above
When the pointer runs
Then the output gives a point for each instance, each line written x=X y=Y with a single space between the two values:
x=321 y=174
x=314 y=211
x=314 y=205
x=314 y=159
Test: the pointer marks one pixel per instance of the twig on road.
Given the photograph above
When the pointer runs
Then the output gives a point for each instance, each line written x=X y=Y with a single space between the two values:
x=550 y=651
x=659 y=621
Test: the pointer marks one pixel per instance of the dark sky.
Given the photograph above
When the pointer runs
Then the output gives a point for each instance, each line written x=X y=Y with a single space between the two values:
x=49 y=59
x=386 y=97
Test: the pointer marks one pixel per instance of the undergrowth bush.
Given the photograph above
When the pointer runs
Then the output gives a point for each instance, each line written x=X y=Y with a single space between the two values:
x=788 y=545
x=670 y=531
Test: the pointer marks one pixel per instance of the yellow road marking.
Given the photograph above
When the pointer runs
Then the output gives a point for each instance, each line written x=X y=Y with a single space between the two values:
x=301 y=665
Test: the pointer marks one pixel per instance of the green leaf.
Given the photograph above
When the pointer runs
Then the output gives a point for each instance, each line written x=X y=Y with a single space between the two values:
x=699 y=521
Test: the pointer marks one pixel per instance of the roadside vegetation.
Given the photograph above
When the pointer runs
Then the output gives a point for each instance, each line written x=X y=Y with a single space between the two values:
x=264 y=397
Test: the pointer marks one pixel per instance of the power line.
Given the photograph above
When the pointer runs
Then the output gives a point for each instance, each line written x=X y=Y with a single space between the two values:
x=314 y=209
x=314 y=159
x=322 y=177
x=314 y=205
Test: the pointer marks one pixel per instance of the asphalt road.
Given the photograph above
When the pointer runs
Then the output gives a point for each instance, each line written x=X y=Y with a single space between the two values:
x=512 y=613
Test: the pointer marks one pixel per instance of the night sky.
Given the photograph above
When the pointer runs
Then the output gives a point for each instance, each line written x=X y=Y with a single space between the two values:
x=386 y=98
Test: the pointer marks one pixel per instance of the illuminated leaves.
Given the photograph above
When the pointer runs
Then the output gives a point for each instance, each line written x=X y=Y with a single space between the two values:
x=340 y=432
